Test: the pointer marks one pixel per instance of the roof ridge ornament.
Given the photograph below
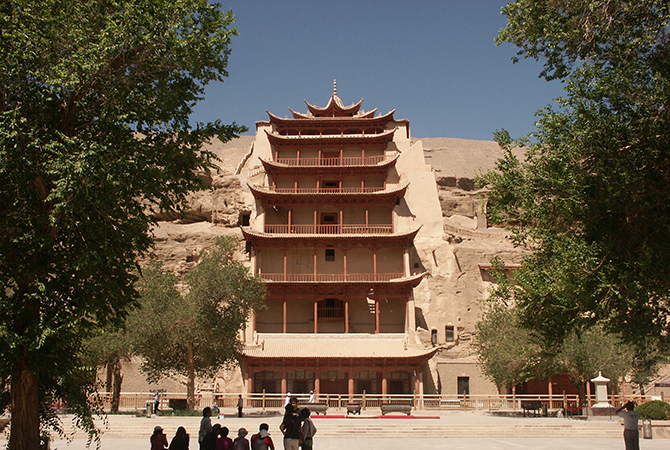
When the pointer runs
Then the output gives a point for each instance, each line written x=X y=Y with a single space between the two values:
x=334 y=87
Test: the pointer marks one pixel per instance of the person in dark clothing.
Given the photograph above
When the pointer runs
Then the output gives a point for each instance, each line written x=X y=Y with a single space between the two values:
x=631 y=434
x=224 y=442
x=290 y=426
x=240 y=405
x=209 y=442
x=180 y=440
x=308 y=430
x=158 y=439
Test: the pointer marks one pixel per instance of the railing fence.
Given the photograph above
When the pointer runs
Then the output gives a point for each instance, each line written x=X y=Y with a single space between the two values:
x=568 y=403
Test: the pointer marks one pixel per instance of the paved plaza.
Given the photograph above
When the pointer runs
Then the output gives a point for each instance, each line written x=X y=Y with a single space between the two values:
x=407 y=442
x=448 y=430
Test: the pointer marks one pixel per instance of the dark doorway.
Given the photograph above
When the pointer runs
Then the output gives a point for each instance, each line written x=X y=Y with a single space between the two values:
x=269 y=386
x=464 y=386
x=300 y=386
x=338 y=386
x=364 y=385
x=397 y=387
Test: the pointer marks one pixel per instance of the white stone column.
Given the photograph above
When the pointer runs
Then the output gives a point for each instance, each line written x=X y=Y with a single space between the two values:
x=601 y=391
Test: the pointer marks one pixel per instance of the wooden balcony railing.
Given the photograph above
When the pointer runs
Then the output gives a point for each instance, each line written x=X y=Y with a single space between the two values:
x=345 y=161
x=330 y=229
x=338 y=190
x=329 y=277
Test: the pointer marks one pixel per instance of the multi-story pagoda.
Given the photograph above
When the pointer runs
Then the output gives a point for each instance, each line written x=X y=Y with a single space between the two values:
x=332 y=234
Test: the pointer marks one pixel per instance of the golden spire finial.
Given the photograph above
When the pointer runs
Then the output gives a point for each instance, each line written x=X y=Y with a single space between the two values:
x=334 y=87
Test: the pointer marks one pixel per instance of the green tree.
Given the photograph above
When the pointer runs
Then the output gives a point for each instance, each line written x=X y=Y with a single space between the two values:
x=583 y=355
x=94 y=105
x=590 y=198
x=109 y=349
x=195 y=332
x=508 y=354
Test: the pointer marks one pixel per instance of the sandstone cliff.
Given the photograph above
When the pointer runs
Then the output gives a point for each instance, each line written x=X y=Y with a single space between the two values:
x=451 y=295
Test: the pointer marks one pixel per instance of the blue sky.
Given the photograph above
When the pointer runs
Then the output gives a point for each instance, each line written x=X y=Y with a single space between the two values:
x=433 y=61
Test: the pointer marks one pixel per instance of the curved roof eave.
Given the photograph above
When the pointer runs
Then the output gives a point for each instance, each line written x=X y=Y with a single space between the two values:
x=274 y=137
x=259 y=235
x=301 y=118
x=334 y=106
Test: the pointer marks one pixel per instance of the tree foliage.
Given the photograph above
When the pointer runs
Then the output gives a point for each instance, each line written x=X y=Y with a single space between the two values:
x=583 y=355
x=109 y=349
x=196 y=332
x=508 y=353
x=590 y=197
x=94 y=105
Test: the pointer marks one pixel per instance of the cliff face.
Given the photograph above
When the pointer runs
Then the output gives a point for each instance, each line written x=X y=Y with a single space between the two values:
x=448 y=298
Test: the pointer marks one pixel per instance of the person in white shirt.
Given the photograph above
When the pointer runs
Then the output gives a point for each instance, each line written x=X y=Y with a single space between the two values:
x=312 y=399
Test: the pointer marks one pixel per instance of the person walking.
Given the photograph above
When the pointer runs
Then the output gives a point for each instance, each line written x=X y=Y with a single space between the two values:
x=307 y=429
x=631 y=434
x=240 y=405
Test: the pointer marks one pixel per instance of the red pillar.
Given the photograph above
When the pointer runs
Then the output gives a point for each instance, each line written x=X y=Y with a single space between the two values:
x=317 y=383
x=346 y=316
x=284 y=314
x=376 y=316
x=284 y=384
x=417 y=381
x=374 y=263
x=316 y=314
x=285 y=265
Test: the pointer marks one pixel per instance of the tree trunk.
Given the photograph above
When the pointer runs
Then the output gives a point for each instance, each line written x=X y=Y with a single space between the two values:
x=116 y=385
x=108 y=380
x=25 y=424
x=581 y=391
x=190 y=386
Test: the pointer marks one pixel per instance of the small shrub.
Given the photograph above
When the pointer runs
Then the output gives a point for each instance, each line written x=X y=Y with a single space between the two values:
x=654 y=410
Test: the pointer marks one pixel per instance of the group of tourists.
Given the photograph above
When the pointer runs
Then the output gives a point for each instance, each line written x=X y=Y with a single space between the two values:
x=297 y=428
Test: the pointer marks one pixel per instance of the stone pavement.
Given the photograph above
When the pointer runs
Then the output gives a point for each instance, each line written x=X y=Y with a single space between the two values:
x=451 y=430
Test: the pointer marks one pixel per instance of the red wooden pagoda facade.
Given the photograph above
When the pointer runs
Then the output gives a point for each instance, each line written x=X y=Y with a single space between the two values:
x=326 y=238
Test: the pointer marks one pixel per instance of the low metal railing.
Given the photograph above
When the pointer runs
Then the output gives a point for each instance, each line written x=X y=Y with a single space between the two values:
x=504 y=403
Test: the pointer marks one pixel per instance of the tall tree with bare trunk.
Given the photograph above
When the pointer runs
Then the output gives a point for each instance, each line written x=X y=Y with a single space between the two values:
x=195 y=331
x=95 y=99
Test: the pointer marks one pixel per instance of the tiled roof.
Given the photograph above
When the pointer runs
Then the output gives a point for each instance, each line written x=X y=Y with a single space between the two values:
x=335 y=346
